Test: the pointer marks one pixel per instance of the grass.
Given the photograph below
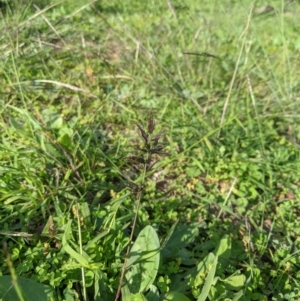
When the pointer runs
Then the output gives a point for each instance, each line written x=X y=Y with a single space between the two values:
x=218 y=216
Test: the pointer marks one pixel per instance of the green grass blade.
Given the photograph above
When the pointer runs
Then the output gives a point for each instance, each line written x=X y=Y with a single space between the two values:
x=208 y=281
x=79 y=258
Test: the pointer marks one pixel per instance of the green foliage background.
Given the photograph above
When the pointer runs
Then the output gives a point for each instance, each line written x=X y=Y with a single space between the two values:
x=222 y=78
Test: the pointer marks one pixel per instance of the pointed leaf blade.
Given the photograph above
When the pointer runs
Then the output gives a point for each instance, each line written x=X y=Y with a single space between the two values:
x=143 y=261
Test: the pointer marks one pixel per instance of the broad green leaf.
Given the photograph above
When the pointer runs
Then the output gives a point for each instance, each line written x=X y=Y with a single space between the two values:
x=235 y=282
x=224 y=248
x=175 y=296
x=69 y=250
x=143 y=261
x=223 y=252
x=138 y=297
x=126 y=296
x=146 y=246
x=208 y=281
x=57 y=123
x=31 y=290
x=65 y=140
x=65 y=137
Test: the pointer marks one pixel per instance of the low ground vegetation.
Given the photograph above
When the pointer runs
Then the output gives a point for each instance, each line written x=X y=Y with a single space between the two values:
x=149 y=150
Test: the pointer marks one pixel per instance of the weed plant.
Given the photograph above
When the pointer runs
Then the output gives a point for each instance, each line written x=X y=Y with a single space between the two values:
x=216 y=219
x=142 y=163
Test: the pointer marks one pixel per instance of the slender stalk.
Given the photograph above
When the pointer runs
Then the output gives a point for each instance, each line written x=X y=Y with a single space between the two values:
x=235 y=71
x=143 y=160
x=14 y=276
x=81 y=253
x=128 y=247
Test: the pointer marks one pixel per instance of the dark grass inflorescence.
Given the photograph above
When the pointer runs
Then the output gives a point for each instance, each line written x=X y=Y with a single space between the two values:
x=146 y=154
